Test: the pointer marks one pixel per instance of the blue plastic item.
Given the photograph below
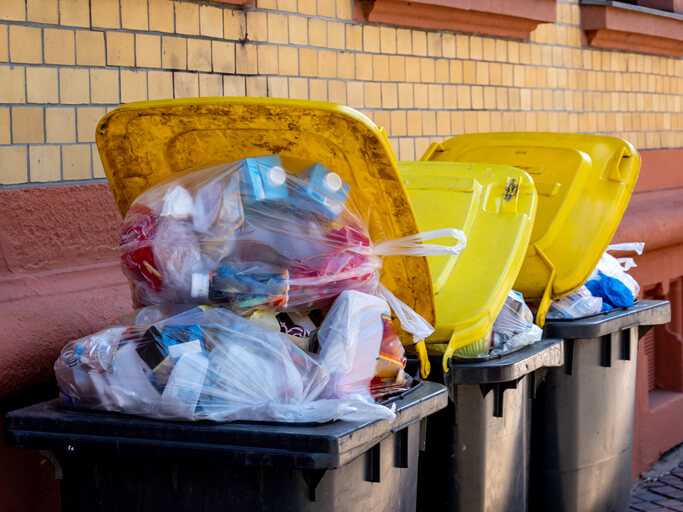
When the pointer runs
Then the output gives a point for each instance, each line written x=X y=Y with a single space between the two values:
x=172 y=336
x=611 y=290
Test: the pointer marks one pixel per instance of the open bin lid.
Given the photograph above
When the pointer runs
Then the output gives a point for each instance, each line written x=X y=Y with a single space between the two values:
x=495 y=206
x=146 y=142
x=584 y=183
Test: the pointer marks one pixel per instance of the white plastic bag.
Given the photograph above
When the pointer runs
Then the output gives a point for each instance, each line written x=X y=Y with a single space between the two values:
x=616 y=267
x=514 y=327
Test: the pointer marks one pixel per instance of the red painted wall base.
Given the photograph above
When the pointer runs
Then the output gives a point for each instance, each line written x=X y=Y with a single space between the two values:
x=655 y=216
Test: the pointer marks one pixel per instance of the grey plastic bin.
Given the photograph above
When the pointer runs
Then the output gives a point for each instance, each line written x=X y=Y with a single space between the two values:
x=111 y=462
x=582 y=430
x=477 y=452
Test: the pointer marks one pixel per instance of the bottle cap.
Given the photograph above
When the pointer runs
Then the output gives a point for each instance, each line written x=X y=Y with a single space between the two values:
x=277 y=176
x=333 y=182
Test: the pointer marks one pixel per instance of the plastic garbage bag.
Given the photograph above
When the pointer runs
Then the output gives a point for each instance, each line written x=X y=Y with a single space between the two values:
x=248 y=235
x=613 y=292
x=575 y=305
x=257 y=233
x=610 y=281
x=360 y=348
x=265 y=233
x=514 y=327
x=204 y=364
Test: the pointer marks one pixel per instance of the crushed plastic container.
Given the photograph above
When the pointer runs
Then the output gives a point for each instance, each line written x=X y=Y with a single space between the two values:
x=582 y=428
x=476 y=456
x=495 y=206
x=110 y=462
x=584 y=183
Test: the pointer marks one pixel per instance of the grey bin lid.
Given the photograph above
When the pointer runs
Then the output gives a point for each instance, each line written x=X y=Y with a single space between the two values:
x=642 y=313
x=507 y=367
x=49 y=426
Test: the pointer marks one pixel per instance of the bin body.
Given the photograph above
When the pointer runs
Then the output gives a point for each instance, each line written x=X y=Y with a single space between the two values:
x=113 y=462
x=133 y=484
x=476 y=454
x=582 y=428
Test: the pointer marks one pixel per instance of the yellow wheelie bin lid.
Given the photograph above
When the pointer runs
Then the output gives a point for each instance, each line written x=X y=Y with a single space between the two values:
x=495 y=206
x=144 y=143
x=584 y=183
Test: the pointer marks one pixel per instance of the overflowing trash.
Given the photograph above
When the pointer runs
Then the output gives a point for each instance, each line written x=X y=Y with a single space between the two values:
x=610 y=281
x=608 y=287
x=514 y=327
x=261 y=300
x=208 y=363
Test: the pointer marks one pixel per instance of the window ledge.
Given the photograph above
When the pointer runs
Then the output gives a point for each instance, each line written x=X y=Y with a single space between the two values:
x=492 y=17
x=609 y=24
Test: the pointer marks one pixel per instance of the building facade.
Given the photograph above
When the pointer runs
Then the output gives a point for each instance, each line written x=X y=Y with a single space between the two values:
x=425 y=70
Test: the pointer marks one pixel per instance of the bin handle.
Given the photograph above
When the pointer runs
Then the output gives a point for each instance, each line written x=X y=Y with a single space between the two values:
x=620 y=166
x=434 y=147
x=546 y=298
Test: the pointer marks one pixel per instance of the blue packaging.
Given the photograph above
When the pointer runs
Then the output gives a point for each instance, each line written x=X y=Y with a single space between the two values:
x=611 y=290
x=326 y=190
x=176 y=340
x=264 y=179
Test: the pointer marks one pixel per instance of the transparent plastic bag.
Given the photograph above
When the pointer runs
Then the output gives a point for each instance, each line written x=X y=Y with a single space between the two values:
x=265 y=233
x=202 y=364
x=248 y=235
x=575 y=305
x=514 y=327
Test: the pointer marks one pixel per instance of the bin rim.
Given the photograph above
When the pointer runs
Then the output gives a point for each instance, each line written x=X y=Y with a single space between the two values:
x=49 y=426
x=644 y=312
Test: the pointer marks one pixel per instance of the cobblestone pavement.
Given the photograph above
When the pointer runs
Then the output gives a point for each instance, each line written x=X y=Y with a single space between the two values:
x=660 y=494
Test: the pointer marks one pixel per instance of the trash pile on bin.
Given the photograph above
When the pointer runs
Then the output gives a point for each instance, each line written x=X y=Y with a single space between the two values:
x=608 y=287
x=261 y=300
x=513 y=328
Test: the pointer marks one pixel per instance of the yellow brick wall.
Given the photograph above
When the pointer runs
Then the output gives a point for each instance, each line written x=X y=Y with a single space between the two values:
x=65 y=63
